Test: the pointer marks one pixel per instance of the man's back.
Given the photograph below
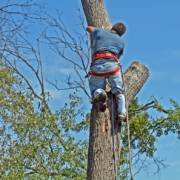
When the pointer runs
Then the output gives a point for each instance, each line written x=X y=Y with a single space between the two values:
x=104 y=40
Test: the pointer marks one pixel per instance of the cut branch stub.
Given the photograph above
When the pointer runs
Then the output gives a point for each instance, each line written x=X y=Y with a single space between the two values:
x=135 y=77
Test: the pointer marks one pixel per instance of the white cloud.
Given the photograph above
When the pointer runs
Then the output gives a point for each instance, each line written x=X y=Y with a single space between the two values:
x=174 y=163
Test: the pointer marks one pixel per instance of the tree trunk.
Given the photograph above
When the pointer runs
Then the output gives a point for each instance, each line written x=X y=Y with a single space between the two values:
x=102 y=160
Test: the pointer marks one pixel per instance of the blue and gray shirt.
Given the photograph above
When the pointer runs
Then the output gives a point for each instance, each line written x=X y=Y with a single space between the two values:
x=104 y=40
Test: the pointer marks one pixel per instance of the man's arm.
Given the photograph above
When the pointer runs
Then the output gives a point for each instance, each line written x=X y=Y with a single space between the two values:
x=90 y=29
x=121 y=52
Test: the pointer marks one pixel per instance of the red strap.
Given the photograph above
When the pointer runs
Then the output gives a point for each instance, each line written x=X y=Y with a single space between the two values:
x=110 y=73
x=105 y=55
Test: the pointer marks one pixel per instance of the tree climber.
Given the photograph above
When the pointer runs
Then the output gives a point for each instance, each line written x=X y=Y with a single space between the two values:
x=107 y=47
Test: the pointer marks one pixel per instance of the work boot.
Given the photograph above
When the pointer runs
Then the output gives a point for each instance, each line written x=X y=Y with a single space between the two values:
x=100 y=97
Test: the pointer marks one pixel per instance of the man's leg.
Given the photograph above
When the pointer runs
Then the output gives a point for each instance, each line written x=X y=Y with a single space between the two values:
x=118 y=89
x=97 y=86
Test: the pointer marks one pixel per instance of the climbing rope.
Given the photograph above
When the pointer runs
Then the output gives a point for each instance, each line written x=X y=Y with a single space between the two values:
x=113 y=137
x=128 y=134
x=128 y=131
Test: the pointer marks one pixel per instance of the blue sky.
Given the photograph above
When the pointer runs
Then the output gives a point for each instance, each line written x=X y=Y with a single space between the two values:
x=153 y=39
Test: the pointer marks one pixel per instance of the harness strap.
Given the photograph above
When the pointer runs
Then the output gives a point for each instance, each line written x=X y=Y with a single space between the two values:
x=101 y=74
x=105 y=55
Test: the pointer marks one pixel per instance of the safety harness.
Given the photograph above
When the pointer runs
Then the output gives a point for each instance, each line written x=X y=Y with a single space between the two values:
x=105 y=55
x=109 y=73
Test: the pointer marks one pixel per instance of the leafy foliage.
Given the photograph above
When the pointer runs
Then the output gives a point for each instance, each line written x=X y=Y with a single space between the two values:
x=145 y=132
x=37 y=142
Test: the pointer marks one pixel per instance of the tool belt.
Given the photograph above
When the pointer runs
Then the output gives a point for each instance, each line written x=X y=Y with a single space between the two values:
x=105 y=74
x=105 y=55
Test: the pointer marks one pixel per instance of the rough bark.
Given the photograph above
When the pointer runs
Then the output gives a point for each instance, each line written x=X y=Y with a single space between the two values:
x=100 y=153
x=96 y=14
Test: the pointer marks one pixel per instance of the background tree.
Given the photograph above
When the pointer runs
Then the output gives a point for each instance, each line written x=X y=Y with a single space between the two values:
x=36 y=141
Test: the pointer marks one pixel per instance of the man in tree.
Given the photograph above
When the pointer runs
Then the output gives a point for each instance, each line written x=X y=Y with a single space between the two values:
x=107 y=47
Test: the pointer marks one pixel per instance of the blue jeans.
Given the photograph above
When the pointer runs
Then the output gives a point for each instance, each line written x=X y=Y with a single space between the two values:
x=115 y=81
